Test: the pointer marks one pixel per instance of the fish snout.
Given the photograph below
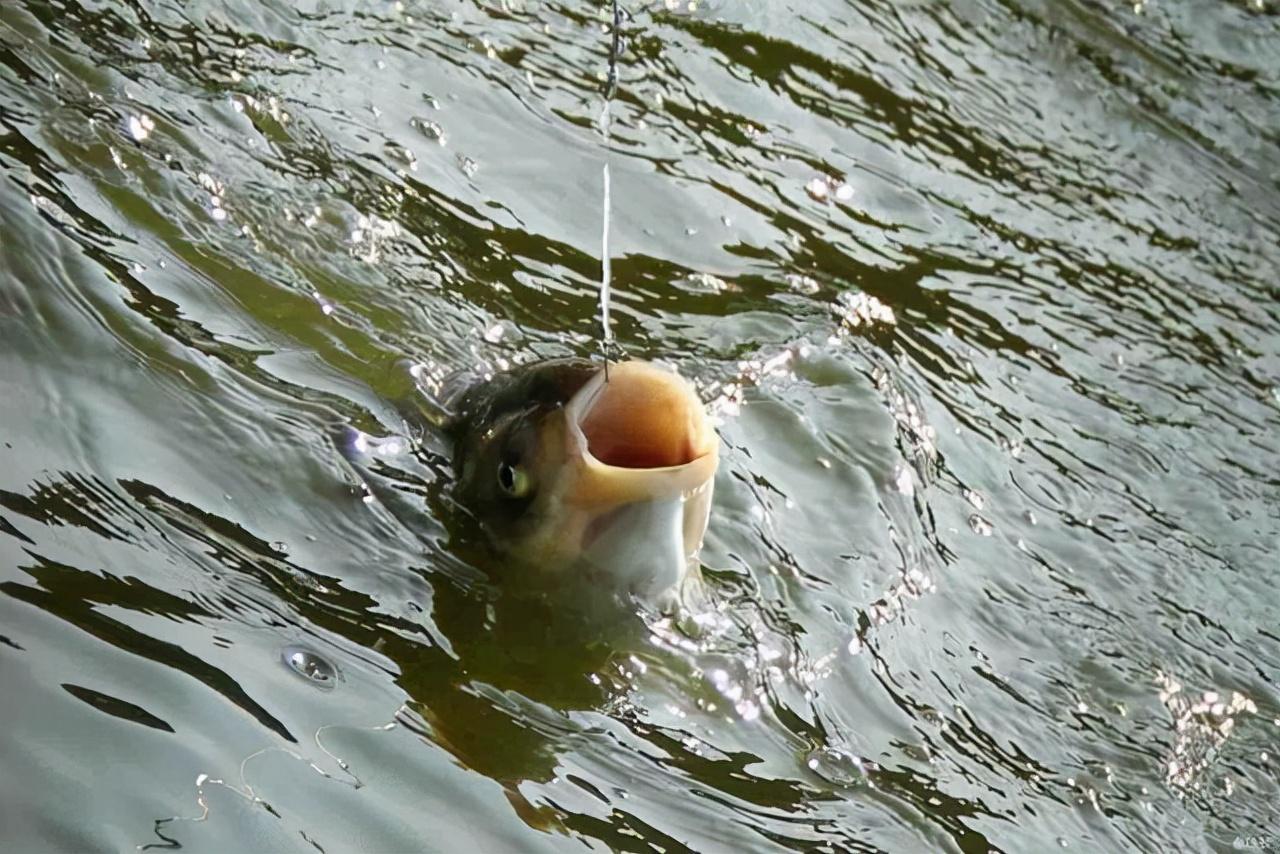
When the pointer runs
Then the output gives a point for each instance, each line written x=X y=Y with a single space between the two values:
x=644 y=455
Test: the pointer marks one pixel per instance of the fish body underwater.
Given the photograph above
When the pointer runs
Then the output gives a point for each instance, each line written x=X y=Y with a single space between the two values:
x=581 y=477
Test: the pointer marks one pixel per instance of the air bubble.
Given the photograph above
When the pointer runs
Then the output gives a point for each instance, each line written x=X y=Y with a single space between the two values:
x=838 y=767
x=310 y=665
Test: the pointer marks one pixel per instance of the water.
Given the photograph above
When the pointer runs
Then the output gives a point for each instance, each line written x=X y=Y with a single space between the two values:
x=983 y=294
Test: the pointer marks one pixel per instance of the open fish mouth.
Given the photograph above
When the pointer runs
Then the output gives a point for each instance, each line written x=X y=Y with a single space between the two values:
x=644 y=455
x=640 y=433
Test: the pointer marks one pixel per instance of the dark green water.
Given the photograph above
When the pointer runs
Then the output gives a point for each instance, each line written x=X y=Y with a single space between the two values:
x=984 y=294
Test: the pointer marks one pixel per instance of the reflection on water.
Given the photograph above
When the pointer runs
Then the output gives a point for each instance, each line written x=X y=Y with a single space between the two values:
x=982 y=296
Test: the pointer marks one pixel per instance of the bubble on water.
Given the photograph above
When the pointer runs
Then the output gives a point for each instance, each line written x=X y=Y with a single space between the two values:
x=838 y=767
x=431 y=130
x=468 y=166
x=310 y=665
x=823 y=188
x=280 y=547
x=140 y=127
x=377 y=446
x=980 y=526
x=974 y=498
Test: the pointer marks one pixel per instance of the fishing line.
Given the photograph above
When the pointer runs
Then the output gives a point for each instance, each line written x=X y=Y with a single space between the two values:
x=610 y=86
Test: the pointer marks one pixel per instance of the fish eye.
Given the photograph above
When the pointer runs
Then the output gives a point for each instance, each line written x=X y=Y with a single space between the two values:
x=513 y=480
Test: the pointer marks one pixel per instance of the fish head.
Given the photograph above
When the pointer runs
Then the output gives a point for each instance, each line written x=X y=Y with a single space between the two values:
x=575 y=473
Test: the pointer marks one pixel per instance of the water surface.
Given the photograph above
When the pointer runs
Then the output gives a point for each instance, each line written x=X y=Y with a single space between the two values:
x=983 y=295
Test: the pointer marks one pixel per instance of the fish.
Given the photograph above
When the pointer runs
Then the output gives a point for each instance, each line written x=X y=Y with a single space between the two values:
x=583 y=475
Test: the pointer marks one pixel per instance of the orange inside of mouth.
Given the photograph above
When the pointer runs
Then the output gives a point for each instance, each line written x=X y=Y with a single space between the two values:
x=645 y=418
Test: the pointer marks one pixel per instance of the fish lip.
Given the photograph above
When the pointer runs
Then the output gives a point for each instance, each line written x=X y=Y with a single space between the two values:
x=602 y=483
x=643 y=546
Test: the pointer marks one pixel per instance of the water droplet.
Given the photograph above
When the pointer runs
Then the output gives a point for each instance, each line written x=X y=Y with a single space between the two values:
x=310 y=665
